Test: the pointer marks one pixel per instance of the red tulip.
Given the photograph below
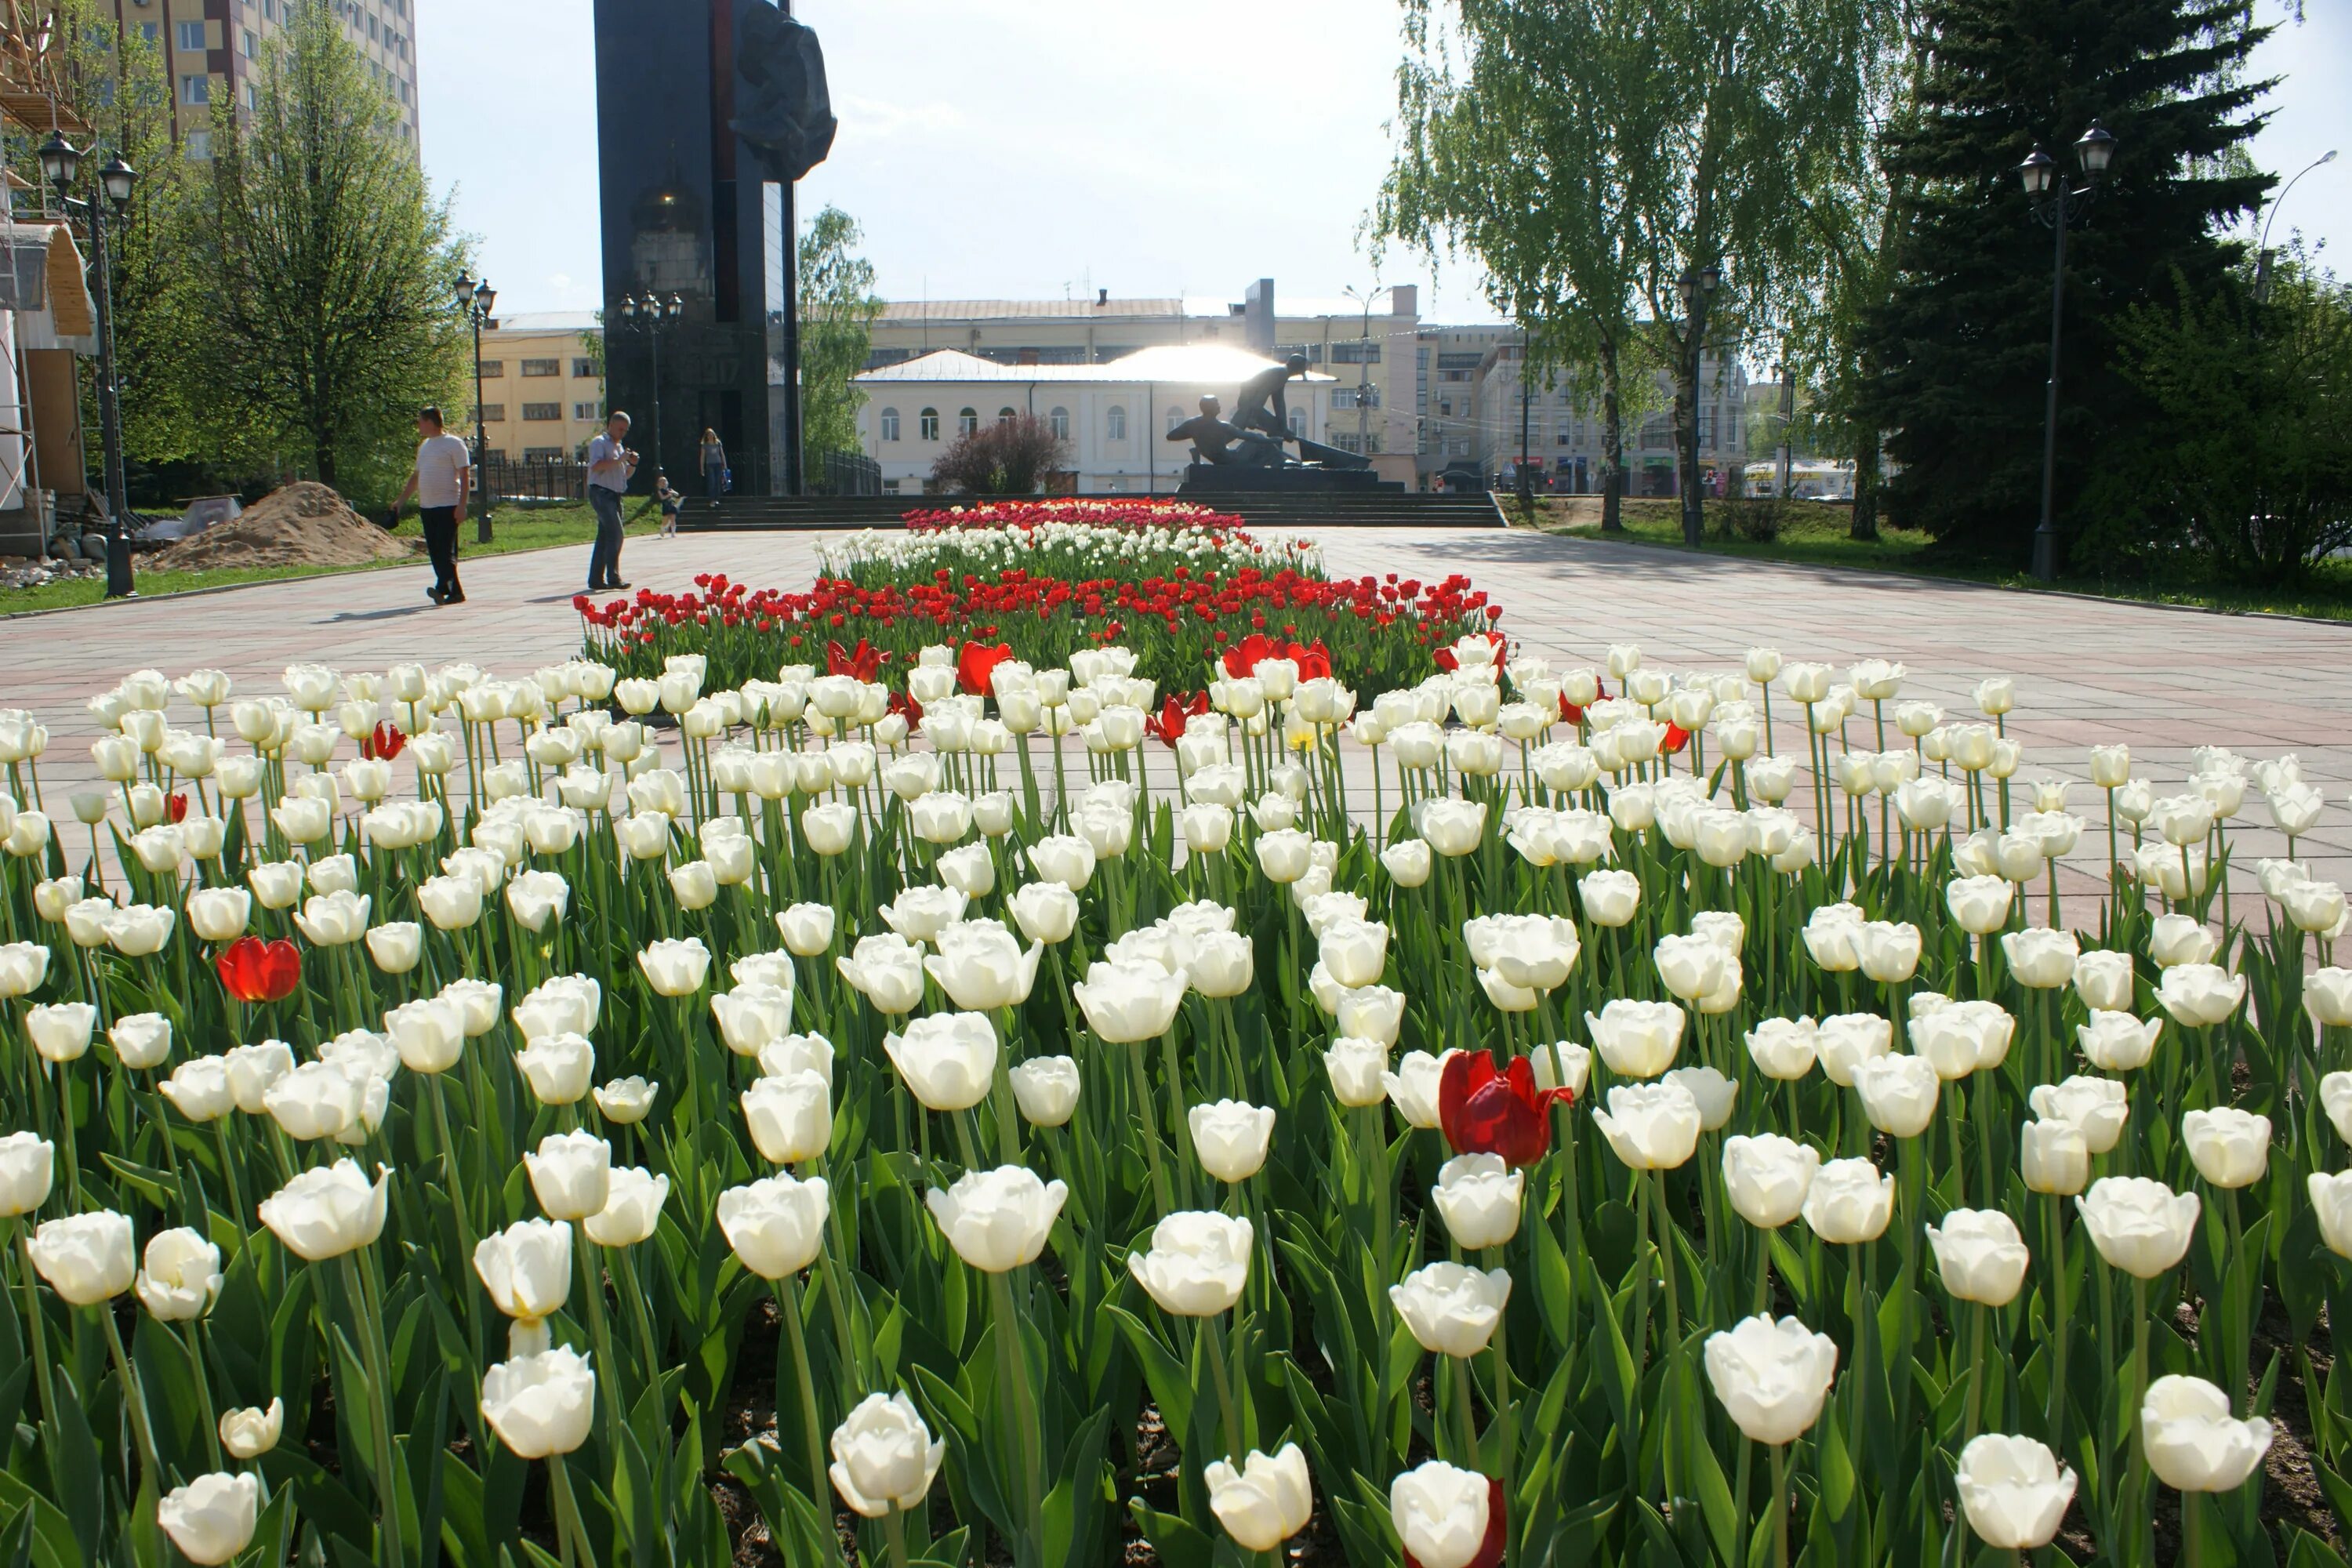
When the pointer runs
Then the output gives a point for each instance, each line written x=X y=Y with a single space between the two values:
x=1676 y=738
x=865 y=662
x=1448 y=661
x=1168 y=722
x=1241 y=658
x=177 y=807
x=1485 y=1111
x=385 y=743
x=1490 y=1546
x=1571 y=713
x=907 y=708
x=256 y=970
x=977 y=662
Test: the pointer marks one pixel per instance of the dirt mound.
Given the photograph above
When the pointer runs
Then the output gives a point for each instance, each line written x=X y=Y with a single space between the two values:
x=303 y=524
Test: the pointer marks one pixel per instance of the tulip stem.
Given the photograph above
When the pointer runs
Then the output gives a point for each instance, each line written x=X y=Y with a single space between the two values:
x=362 y=1284
x=1159 y=1188
x=35 y=1328
x=1012 y=1361
x=2135 y=1487
x=2060 y=1326
x=1674 y=1326
x=1780 y=1505
x=600 y=1328
x=575 y=1531
x=1975 y=1405
x=788 y=1299
x=1212 y=1337
x=894 y=1530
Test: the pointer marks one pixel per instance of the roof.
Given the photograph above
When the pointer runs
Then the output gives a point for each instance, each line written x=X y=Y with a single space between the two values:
x=898 y=311
x=548 y=322
x=1177 y=364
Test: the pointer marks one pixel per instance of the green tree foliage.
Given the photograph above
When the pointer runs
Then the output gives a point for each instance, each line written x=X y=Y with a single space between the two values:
x=838 y=307
x=312 y=312
x=114 y=81
x=2249 y=460
x=1530 y=155
x=1002 y=458
x=1959 y=349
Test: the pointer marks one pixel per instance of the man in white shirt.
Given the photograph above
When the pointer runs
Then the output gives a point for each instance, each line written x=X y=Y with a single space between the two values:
x=443 y=476
x=610 y=464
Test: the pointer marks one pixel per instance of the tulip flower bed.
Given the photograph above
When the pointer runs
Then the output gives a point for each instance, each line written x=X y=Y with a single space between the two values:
x=1613 y=1140
x=1181 y=588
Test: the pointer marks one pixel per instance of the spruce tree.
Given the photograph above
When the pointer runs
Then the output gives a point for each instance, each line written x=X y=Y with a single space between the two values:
x=1960 y=347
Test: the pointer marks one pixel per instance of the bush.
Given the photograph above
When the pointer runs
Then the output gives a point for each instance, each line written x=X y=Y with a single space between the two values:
x=1009 y=457
x=1756 y=519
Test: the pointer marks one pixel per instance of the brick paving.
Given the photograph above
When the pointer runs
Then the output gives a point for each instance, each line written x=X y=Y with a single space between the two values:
x=2087 y=672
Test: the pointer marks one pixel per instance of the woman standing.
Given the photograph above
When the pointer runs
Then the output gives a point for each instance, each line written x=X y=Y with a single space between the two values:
x=714 y=466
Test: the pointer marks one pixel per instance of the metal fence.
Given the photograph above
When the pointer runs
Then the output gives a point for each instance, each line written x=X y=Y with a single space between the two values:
x=847 y=474
x=505 y=479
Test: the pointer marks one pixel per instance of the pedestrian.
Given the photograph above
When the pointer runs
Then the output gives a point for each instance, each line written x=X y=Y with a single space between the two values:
x=714 y=466
x=669 y=499
x=440 y=480
x=610 y=465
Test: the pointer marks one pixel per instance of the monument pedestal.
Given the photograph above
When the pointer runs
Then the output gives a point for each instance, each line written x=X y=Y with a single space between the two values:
x=1205 y=480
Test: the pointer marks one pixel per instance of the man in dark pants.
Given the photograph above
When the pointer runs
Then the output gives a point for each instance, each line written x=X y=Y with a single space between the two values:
x=440 y=480
x=610 y=464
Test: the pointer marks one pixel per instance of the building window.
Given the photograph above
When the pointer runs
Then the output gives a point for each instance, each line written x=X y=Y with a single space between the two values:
x=251 y=43
x=1058 y=421
x=196 y=89
x=1007 y=416
x=494 y=367
x=1457 y=446
x=890 y=424
x=269 y=10
x=584 y=370
x=543 y=454
x=1299 y=422
x=1367 y=396
x=967 y=422
x=586 y=411
x=1175 y=417
x=492 y=414
x=1115 y=423
x=198 y=144
x=927 y=423
x=150 y=32
x=191 y=37
x=252 y=99
x=542 y=367
x=542 y=412
x=1362 y=351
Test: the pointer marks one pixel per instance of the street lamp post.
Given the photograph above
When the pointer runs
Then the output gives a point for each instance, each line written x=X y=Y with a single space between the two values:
x=2056 y=203
x=1698 y=287
x=61 y=163
x=650 y=314
x=2263 y=254
x=1364 y=297
x=1784 y=456
x=474 y=302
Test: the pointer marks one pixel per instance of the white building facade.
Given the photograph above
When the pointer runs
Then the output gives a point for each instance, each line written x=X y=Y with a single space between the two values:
x=1115 y=415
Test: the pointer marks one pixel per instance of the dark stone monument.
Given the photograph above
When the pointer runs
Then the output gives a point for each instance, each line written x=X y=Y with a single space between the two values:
x=1249 y=452
x=705 y=111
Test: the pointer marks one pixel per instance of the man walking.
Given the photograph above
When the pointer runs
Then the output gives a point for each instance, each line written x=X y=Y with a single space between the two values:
x=440 y=481
x=610 y=464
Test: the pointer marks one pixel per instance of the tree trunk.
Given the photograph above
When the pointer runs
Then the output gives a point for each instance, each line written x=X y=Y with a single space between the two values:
x=1612 y=443
x=1686 y=441
x=1864 y=526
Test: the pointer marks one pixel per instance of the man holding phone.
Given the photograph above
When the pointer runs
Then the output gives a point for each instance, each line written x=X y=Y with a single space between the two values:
x=610 y=465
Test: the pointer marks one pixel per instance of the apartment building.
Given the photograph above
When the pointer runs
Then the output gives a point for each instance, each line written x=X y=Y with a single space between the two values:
x=1367 y=407
x=542 y=388
x=212 y=52
x=1472 y=415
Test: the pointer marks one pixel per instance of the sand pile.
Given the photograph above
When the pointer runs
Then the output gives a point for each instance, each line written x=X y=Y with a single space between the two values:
x=303 y=524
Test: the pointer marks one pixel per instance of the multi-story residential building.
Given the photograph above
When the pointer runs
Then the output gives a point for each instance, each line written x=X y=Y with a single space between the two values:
x=1368 y=402
x=212 y=53
x=1472 y=417
x=544 y=386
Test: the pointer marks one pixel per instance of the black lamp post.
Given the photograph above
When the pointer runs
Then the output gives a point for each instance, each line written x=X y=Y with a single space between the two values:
x=2056 y=203
x=650 y=314
x=1697 y=286
x=61 y=165
x=474 y=301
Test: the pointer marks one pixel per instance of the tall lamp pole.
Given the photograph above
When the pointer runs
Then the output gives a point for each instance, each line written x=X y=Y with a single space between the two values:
x=1364 y=297
x=649 y=315
x=61 y=163
x=1698 y=287
x=2263 y=254
x=474 y=303
x=1784 y=457
x=2056 y=203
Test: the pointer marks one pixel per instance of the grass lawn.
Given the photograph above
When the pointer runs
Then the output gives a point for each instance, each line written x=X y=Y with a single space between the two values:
x=1824 y=540
x=513 y=529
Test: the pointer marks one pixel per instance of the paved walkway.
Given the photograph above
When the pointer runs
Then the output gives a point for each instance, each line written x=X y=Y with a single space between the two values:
x=2088 y=672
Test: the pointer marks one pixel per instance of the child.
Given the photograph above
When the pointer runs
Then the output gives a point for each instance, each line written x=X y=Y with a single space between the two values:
x=669 y=499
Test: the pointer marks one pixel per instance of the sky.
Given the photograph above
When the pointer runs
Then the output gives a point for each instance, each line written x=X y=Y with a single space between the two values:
x=1049 y=148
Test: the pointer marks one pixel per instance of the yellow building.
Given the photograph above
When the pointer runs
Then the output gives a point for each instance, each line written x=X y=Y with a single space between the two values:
x=542 y=396
x=211 y=51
